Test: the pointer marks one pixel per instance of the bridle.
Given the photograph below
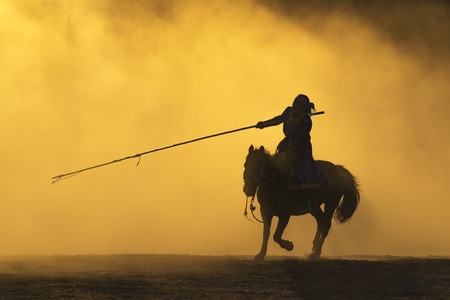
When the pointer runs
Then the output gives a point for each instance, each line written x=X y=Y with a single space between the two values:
x=258 y=184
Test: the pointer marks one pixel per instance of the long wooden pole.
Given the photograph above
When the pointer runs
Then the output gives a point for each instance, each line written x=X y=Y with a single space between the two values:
x=138 y=155
x=60 y=177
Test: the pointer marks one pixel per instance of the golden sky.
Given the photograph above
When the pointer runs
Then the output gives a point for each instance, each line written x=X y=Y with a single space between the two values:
x=86 y=82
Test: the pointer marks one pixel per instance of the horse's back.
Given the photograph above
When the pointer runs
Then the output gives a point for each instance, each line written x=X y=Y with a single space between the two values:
x=333 y=173
x=336 y=176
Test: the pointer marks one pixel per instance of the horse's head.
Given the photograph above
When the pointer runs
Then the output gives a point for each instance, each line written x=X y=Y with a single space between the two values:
x=253 y=169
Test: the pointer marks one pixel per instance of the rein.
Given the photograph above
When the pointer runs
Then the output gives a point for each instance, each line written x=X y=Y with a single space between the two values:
x=252 y=208
x=258 y=184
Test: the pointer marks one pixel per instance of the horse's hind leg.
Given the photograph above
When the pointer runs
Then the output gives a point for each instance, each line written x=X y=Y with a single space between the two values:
x=323 y=220
x=319 y=216
x=282 y=223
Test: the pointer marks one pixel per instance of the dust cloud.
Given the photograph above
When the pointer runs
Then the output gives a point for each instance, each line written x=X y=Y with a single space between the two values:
x=87 y=82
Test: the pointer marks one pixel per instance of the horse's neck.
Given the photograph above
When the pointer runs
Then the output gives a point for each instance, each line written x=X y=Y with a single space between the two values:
x=270 y=166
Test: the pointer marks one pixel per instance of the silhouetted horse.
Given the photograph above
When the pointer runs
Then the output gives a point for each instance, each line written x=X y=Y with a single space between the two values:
x=339 y=196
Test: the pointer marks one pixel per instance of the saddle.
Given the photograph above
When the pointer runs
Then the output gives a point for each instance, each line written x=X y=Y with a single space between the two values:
x=309 y=193
x=284 y=162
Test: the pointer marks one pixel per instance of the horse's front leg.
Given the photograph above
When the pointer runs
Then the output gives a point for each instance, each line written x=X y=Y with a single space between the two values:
x=267 y=219
x=282 y=223
x=316 y=250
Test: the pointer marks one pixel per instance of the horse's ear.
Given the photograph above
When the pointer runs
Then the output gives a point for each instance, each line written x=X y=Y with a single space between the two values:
x=262 y=149
x=251 y=148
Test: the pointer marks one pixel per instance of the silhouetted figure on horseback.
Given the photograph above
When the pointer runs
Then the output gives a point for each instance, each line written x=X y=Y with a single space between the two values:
x=294 y=152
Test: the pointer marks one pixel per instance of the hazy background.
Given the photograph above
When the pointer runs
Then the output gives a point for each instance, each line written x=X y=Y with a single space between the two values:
x=87 y=82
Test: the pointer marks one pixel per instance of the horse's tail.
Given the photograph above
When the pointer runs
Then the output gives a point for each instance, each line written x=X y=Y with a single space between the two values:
x=349 y=202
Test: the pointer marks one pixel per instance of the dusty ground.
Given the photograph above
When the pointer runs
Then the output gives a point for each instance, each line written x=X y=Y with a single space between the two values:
x=222 y=277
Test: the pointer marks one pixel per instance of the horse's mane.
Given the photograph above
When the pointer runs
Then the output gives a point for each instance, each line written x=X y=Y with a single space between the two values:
x=273 y=160
x=266 y=152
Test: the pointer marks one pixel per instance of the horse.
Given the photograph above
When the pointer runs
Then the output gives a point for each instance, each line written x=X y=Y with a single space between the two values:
x=339 y=196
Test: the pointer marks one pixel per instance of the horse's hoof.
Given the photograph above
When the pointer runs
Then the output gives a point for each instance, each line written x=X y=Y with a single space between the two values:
x=259 y=256
x=288 y=245
x=314 y=256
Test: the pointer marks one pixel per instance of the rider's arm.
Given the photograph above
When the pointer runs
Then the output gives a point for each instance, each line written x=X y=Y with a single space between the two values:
x=276 y=120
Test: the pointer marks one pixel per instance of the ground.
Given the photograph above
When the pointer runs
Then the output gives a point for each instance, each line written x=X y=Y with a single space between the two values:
x=222 y=277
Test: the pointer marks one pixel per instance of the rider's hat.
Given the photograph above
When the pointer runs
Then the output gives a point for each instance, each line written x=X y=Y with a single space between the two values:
x=305 y=101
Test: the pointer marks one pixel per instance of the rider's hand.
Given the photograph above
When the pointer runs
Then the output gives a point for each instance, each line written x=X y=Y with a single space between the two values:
x=260 y=125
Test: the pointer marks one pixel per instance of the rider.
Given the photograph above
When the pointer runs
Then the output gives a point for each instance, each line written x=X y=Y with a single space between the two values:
x=304 y=174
